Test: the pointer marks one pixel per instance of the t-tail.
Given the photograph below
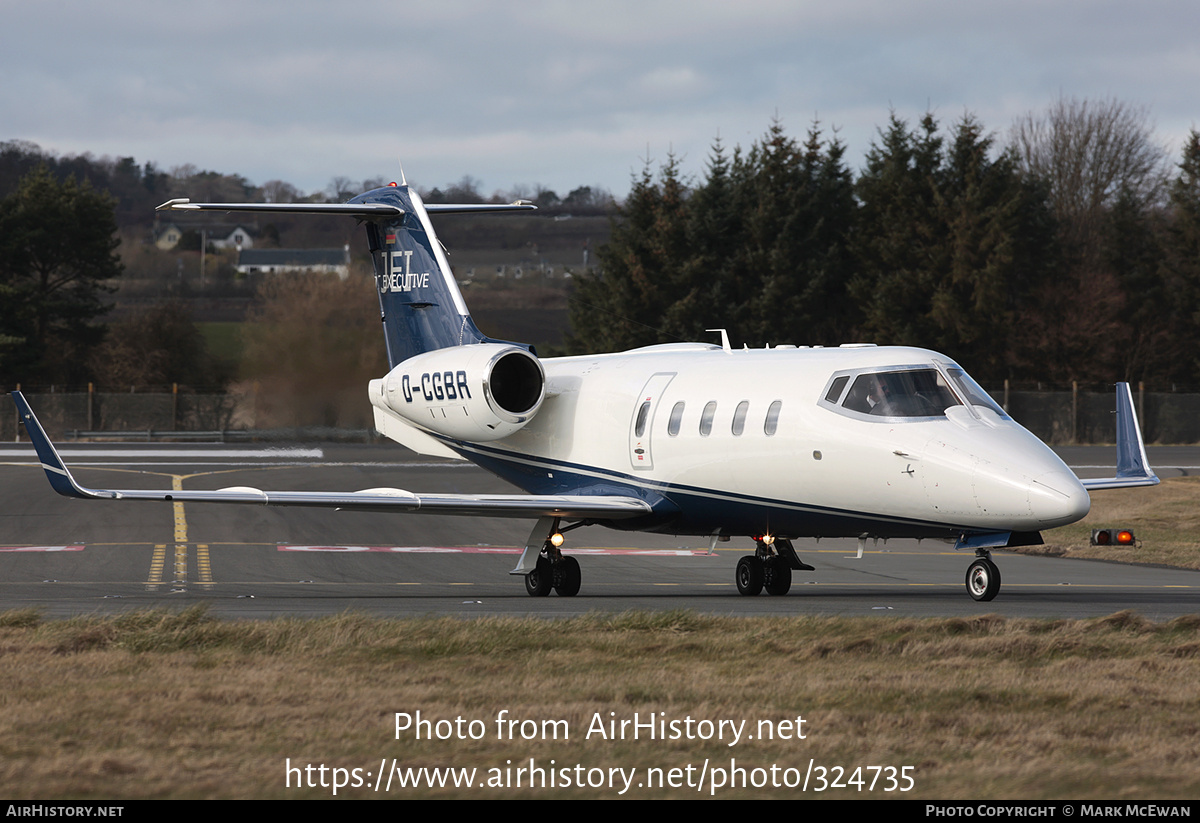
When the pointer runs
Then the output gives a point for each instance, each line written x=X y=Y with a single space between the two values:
x=448 y=380
x=421 y=306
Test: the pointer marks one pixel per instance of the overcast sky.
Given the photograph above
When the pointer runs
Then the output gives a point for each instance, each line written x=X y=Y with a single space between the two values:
x=558 y=93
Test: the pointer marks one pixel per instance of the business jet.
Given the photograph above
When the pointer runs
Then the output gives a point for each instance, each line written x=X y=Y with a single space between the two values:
x=701 y=439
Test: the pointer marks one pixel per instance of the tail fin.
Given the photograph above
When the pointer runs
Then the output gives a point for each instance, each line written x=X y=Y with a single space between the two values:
x=421 y=307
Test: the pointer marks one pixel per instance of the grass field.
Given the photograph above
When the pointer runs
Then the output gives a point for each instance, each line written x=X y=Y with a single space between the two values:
x=224 y=340
x=181 y=705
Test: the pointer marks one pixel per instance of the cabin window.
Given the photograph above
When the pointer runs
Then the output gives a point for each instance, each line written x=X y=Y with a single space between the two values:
x=706 y=418
x=772 y=421
x=676 y=419
x=639 y=428
x=739 y=417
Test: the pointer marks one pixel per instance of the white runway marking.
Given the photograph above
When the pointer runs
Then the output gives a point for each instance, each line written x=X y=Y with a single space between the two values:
x=288 y=453
x=41 y=548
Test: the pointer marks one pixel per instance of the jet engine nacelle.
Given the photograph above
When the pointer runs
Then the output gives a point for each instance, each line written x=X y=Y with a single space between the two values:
x=477 y=392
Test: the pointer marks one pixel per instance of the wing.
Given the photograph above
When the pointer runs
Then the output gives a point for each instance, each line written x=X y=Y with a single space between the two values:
x=1133 y=468
x=582 y=507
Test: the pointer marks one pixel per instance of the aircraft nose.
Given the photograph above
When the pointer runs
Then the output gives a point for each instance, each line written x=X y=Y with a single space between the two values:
x=1058 y=498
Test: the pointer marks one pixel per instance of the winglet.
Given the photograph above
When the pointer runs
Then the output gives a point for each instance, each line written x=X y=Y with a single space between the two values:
x=1133 y=467
x=56 y=470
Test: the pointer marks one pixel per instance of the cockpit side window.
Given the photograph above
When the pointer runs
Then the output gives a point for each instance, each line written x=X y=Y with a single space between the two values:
x=835 y=388
x=900 y=393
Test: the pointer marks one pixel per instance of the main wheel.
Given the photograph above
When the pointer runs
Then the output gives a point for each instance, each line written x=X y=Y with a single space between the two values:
x=749 y=575
x=778 y=576
x=983 y=579
x=567 y=577
x=539 y=581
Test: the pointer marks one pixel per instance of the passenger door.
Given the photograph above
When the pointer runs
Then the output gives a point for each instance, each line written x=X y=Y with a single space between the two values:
x=642 y=423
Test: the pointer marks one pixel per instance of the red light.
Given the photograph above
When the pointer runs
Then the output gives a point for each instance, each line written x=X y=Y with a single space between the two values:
x=1113 y=537
x=392 y=184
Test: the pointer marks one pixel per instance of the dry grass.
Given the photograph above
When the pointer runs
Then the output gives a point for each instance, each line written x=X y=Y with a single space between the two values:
x=1165 y=518
x=181 y=705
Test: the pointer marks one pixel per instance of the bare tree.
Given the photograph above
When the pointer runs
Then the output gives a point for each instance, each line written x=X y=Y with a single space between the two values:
x=1090 y=152
x=1107 y=177
x=341 y=189
x=465 y=190
x=280 y=191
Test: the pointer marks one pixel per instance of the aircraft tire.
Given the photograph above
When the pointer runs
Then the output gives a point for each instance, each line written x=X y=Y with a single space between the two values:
x=778 y=576
x=568 y=577
x=749 y=575
x=539 y=581
x=983 y=580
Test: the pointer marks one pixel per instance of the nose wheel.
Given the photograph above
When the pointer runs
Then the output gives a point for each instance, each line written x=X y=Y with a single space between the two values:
x=983 y=579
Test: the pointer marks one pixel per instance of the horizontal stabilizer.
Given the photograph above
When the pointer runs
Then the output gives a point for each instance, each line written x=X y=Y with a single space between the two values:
x=598 y=507
x=350 y=209
x=361 y=210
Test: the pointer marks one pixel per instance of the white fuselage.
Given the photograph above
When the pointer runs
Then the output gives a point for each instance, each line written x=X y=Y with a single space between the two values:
x=816 y=469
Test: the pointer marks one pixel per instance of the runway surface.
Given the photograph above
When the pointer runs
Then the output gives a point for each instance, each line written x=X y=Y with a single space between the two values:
x=69 y=557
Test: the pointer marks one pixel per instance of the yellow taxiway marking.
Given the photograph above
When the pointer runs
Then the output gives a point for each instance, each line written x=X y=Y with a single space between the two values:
x=180 y=534
x=204 y=564
x=157 y=560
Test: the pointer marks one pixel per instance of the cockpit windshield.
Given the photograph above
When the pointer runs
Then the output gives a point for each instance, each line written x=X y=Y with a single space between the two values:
x=972 y=391
x=904 y=393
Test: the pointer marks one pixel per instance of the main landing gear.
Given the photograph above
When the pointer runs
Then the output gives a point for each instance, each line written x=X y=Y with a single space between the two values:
x=552 y=569
x=770 y=567
x=562 y=575
x=983 y=577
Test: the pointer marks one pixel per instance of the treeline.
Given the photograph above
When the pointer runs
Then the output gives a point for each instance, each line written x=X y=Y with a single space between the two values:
x=137 y=188
x=1072 y=253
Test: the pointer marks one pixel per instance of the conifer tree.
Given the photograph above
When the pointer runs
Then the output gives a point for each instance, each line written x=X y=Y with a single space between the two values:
x=57 y=257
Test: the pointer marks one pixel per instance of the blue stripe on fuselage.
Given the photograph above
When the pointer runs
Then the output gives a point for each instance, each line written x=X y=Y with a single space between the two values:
x=680 y=509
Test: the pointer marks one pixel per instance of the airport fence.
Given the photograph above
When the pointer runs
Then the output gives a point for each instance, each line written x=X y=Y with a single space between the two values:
x=145 y=415
x=1057 y=416
x=1088 y=416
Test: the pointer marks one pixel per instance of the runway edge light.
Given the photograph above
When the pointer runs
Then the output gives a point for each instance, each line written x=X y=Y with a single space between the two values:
x=1113 y=537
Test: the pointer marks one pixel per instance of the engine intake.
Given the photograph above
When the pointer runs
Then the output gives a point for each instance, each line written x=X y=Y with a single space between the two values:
x=476 y=393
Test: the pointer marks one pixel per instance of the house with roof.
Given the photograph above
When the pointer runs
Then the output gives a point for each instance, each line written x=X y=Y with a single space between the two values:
x=227 y=236
x=297 y=261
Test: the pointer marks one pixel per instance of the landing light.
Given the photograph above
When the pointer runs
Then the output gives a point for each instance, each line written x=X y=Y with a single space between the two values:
x=1113 y=537
x=557 y=539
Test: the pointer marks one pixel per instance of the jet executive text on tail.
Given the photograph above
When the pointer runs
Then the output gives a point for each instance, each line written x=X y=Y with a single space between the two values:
x=773 y=444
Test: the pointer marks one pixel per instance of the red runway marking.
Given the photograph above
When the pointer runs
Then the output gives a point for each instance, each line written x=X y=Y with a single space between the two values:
x=487 y=550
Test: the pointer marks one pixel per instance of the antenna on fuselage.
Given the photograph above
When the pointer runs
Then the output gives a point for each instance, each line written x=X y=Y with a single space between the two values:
x=403 y=182
x=724 y=339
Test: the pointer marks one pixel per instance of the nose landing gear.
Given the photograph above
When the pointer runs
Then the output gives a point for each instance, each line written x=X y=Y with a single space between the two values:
x=983 y=577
